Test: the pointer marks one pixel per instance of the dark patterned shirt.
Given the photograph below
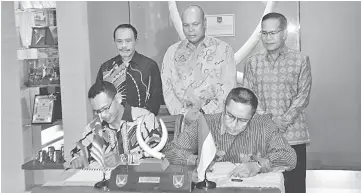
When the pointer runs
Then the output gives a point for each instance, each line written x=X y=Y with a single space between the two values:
x=139 y=83
x=260 y=140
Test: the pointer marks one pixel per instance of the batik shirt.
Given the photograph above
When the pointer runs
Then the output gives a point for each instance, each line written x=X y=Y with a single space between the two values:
x=139 y=82
x=283 y=87
x=122 y=140
x=198 y=77
x=260 y=140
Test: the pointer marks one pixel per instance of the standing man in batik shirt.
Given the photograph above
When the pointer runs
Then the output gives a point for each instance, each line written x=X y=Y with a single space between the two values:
x=242 y=135
x=281 y=77
x=117 y=124
x=135 y=76
x=198 y=72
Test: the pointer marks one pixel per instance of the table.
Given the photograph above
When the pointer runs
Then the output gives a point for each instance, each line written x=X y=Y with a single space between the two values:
x=75 y=189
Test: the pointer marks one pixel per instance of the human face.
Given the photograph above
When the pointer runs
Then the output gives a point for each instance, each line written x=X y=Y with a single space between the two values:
x=125 y=42
x=236 y=117
x=273 y=37
x=194 y=26
x=104 y=106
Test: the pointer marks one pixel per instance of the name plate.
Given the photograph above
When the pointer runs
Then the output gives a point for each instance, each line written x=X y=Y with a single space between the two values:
x=149 y=179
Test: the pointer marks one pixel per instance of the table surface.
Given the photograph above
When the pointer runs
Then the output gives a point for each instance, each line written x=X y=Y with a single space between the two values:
x=77 y=189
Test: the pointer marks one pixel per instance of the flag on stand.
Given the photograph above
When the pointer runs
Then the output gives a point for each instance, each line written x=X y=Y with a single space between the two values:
x=96 y=151
x=206 y=148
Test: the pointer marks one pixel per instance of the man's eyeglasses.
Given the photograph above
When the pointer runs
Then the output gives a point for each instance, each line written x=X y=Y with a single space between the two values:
x=271 y=33
x=232 y=118
x=105 y=109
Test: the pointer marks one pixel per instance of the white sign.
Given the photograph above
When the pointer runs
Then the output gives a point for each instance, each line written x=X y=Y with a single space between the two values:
x=221 y=25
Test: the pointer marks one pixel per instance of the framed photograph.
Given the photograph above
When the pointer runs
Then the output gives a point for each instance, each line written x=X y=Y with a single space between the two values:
x=42 y=38
x=43 y=112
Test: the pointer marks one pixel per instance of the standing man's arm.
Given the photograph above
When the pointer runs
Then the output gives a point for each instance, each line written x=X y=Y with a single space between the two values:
x=173 y=103
x=183 y=149
x=301 y=101
x=249 y=81
x=156 y=93
x=226 y=84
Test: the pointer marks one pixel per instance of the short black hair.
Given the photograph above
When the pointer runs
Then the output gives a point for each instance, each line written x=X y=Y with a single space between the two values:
x=280 y=17
x=126 y=26
x=102 y=86
x=244 y=96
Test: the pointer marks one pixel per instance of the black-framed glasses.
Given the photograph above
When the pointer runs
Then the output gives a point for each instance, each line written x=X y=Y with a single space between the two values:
x=232 y=118
x=271 y=33
x=106 y=109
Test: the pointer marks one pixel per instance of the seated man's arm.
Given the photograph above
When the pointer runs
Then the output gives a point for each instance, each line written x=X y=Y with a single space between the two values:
x=280 y=154
x=183 y=149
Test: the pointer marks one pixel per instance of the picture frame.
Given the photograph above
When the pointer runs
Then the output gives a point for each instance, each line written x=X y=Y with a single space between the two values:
x=46 y=109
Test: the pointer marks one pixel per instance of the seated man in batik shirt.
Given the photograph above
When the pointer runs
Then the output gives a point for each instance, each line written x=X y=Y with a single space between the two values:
x=116 y=123
x=198 y=72
x=241 y=136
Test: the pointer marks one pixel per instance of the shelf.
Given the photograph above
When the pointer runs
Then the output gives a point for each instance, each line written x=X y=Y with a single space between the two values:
x=40 y=86
x=45 y=126
x=36 y=165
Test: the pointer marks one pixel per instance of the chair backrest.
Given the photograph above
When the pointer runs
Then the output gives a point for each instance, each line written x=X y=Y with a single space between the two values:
x=173 y=124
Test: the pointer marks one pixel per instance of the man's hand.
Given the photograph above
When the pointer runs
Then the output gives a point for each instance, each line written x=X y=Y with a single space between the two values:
x=111 y=159
x=79 y=162
x=245 y=170
x=192 y=115
x=281 y=124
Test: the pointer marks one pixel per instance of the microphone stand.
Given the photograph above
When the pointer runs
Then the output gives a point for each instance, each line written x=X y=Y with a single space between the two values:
x=206 y=184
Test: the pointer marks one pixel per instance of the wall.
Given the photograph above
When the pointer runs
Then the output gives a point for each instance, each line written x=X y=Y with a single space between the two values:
x=157 y=33
x=330 y=36
x=11 y=129
x=85 y=41
x=103 y=18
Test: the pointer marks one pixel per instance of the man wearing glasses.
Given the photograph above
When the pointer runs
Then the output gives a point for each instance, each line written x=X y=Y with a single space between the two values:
x=117 y=123
x=242 y=135
x=281 y=78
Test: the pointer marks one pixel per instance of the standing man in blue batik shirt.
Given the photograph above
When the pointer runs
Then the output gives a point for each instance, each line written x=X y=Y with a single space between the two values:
x=135 y=76
x=198 y=72
x=281 y=77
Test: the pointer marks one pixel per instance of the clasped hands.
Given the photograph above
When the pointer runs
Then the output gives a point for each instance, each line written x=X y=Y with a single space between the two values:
x=281 y=123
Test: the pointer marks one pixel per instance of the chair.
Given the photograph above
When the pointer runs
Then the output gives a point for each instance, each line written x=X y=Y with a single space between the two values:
x=173 y=124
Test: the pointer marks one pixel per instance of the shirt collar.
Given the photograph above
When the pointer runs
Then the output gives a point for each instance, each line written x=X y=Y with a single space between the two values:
x=136 y=59
x=205 y=43
x=282 y=54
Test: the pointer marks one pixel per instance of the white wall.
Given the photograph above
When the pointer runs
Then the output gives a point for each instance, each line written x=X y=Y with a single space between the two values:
x=12 y=177
x=330 y=33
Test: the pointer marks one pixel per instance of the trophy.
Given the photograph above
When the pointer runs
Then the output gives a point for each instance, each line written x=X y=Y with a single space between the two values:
x=158 y=162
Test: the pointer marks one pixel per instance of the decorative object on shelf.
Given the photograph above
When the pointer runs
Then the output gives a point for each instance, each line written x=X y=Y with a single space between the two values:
x=42 y=38
x=43 y=72
x=47 y=108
